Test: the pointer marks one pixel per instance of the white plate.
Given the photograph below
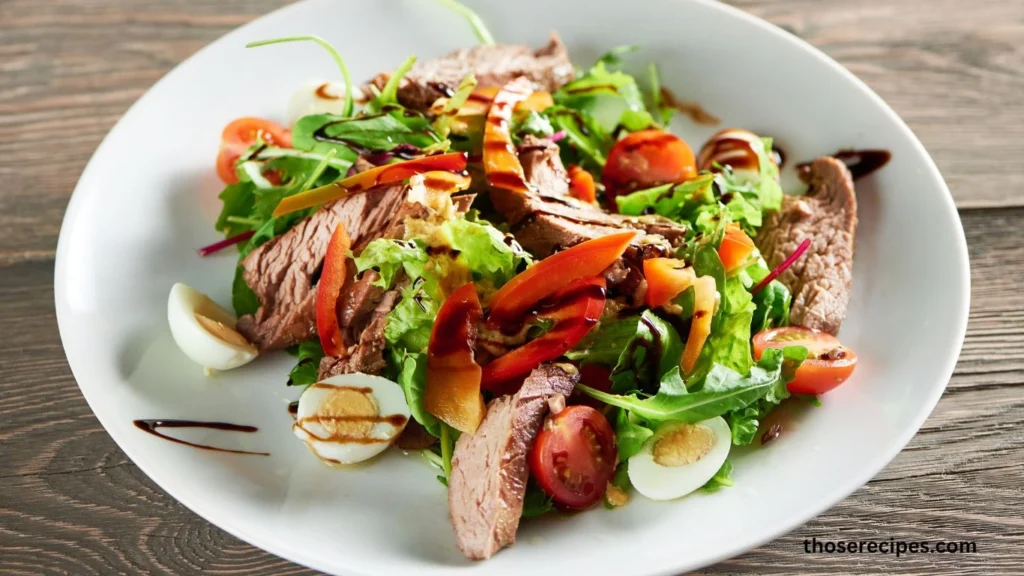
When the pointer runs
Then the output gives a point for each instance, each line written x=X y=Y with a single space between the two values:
x=149 y=196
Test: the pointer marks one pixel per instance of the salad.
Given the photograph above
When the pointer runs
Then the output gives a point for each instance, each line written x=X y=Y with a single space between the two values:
x=511 y=266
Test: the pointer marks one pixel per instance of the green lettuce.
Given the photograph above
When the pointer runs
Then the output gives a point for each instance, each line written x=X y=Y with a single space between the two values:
x=724 y=391
x=412 y=377
x=610 y=96
x=306 y=369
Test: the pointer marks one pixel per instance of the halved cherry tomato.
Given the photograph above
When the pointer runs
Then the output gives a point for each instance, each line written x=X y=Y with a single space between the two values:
x=328 y=291
x=453 y=376
x=574 y=311
x=645 y=159
x=704 y=293
x=828 y=362
x=453 y=162
x=554 y=273
x=501 y=163
x=666 y=279
x=241 y=134
x=574 y=456
x=581 y=184
x=736 y=248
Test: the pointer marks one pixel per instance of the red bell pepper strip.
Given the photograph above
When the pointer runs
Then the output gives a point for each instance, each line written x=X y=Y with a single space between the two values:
x=524 y=292
x=574 y=311
x=581 y=184
x=453 y=376
x=453 y=162
x=328 y=291
x=501 y=163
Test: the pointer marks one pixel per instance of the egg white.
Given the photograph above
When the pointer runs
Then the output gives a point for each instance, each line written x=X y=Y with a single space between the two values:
x=221 y=349
x=659 y=482
x=390 y=399
x=309 y=99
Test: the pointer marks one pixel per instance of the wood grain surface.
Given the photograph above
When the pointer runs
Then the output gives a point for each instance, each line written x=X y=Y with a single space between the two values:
x=72 y=503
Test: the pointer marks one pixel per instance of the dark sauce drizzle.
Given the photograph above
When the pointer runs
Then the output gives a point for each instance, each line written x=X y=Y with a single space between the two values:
x=151 y=426
x=859 y=162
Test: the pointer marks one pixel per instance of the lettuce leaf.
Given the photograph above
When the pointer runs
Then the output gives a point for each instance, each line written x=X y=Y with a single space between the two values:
x=652 y=352
x=306 y=369
x=720 y=479
x=611 y=97
x=412 y=377
x=724 y=390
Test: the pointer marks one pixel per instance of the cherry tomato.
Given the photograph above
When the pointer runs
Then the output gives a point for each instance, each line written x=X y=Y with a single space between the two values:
x=645 y=159
x=242 y=133
x=828 y=363
x=574 y=456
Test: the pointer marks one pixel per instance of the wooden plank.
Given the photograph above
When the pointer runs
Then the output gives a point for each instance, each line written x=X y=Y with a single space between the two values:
x=71 y=502
x=70 y=68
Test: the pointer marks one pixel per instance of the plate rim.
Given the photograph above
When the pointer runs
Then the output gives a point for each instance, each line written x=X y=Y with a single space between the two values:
x=958 y=322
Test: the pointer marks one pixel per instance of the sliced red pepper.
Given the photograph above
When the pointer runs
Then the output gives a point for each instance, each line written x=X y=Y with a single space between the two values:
x=453 y=162
x=501 y=163
x=524 y=292
x=453 y=376
x=328 y=291
x=581 y=184
x=574 y=311
x=736 y=248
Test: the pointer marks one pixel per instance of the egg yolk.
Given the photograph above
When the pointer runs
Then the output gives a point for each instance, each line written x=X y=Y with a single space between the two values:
x=684 y=445
x=348 y=413
x=222 y=331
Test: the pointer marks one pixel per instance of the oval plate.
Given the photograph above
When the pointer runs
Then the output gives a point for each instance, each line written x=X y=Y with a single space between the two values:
x=149 y=196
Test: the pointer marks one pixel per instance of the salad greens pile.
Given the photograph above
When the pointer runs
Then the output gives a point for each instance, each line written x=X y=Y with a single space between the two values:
x=642 y=351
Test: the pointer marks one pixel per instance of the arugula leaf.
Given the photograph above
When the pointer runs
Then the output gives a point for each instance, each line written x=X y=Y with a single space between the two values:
x=662 y=111
x=380 y=133
x=413 y=380
x=442 y=124
x=306 y=368
x=653 y=351
x=238 y=201
x=706 y=262
x=724 y=390
x=630 y=434
x=772 y=303
x=479 y=28
x=535 y=124
x=603 y=344
x=349 y=108
x=536 y=502
x=720 y=479
x=389 y=95
x=586 y=143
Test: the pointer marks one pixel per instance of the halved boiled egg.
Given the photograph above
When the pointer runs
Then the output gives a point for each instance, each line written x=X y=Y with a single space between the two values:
x=318 y=97
x=680 y=458
x=205 y=331
x=351 y=417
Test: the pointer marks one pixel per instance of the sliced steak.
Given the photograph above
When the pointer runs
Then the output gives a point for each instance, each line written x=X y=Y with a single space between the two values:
x=493 y=65
x=366 y=355
x=283 y=271
x=489 y=471
x=550 y=220
x=820 y=279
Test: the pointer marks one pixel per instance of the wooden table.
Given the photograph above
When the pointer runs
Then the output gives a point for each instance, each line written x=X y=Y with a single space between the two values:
x=71 y=502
